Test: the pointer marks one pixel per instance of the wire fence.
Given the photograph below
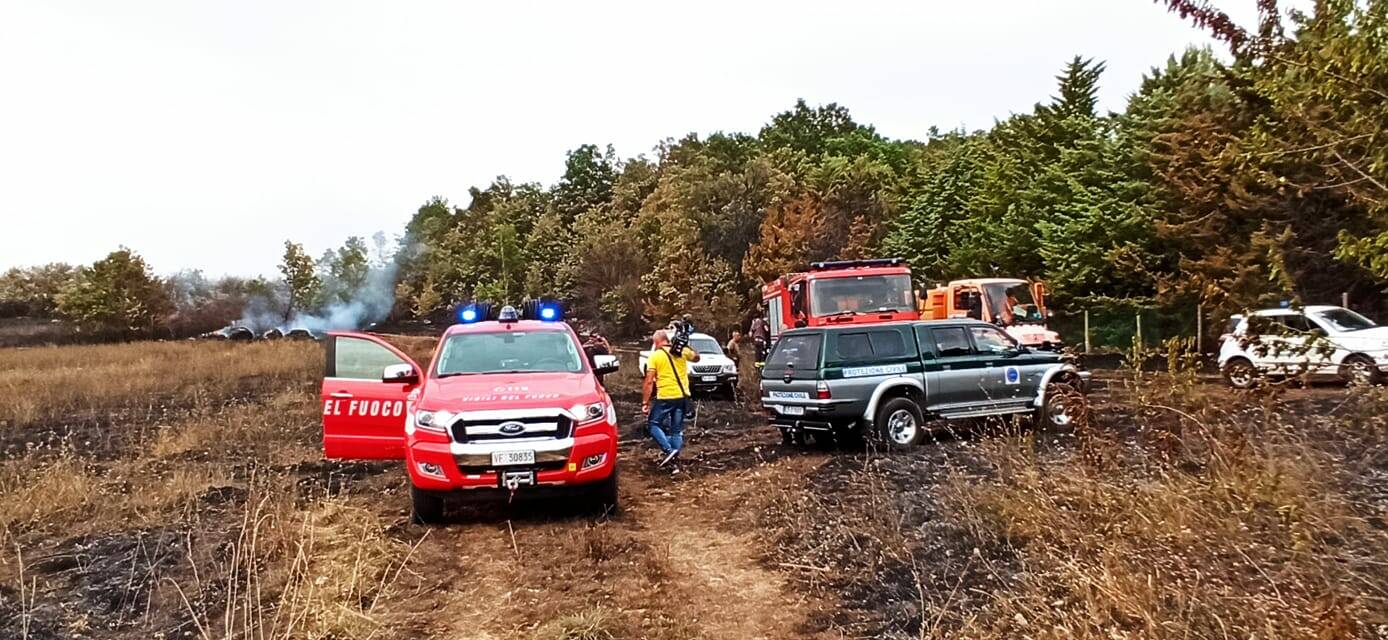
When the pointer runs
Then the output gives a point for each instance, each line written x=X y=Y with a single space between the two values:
x=1114 y=330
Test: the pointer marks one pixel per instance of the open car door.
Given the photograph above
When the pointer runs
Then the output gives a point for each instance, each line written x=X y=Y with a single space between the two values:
x=365 y=394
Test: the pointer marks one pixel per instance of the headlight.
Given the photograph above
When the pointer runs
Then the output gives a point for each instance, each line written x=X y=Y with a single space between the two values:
x=730 y=368
x=590 y=412
x=431 y=420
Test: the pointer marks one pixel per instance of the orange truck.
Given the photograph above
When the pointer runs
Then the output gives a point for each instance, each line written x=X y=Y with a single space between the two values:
x=1016 y=305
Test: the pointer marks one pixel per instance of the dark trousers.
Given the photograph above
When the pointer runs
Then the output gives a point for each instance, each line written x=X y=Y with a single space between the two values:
x=666 y=424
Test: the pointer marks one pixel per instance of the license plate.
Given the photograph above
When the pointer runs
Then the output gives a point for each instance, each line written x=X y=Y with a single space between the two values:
x=503 y=458
x=709 y=378
x=790 y=395
x=793 y=411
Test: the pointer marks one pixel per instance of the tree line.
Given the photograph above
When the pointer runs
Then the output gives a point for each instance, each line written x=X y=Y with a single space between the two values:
x=1231 y=184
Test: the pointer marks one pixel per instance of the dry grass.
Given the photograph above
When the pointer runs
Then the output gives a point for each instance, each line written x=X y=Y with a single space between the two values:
x=1177 y=513
x=43 y=383
x=1181 y=512
x=294 y=572
x=71 y=497
x=192 y=442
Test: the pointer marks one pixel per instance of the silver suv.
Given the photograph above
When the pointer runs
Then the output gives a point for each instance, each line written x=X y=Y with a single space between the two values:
x=890 y=379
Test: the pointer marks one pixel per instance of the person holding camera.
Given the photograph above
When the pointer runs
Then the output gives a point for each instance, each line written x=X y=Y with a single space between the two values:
x=665 y=396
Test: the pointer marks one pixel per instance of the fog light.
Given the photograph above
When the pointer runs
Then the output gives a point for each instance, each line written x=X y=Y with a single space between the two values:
x=594 y=460
x=430 y=469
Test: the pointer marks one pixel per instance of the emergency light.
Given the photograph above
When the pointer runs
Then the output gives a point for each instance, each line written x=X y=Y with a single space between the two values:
x=536 y=309
x=470 y=312
x=542 y=310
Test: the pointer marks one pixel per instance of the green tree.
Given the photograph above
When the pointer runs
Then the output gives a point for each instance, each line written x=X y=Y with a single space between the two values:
x=300 y=278
x=589 y=176
x=116 y=293
x=344 y=270
x=33 y=291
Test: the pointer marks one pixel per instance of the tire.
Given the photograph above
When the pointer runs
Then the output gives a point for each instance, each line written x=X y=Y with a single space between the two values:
x=1360 y=371
x=426 y=507
x=900 y=424
x=1241 y=374
x=1063 y=406
x=606 y=500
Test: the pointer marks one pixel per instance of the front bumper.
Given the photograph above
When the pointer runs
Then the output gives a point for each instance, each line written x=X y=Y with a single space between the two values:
x=468 y=466
x=701 y=381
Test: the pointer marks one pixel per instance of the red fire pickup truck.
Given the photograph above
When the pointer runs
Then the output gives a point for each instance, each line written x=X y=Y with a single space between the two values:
x=508 y=407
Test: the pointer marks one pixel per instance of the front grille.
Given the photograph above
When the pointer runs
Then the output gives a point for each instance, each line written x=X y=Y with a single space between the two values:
x=552 y=426
x=706 y=368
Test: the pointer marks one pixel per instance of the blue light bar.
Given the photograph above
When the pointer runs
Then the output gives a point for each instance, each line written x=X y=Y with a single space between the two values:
x=549 y=313
x=468 y=315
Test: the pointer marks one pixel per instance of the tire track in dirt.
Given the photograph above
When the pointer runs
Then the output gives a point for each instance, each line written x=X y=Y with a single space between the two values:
x=720 y=585
x=677 y=562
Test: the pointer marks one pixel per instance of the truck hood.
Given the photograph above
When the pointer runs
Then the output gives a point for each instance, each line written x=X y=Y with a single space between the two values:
x=704 y=359
x=486 y=392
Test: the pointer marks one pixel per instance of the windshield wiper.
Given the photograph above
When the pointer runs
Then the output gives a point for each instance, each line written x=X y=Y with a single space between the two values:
x=841 y=313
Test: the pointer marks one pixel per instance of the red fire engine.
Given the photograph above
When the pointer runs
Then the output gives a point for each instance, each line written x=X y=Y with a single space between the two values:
x=845 y=292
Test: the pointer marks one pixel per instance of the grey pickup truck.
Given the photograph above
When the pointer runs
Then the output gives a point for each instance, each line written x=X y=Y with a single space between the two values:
x=890 y=379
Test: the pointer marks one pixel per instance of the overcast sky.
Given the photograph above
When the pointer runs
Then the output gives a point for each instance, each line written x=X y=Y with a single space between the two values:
x=203 y=134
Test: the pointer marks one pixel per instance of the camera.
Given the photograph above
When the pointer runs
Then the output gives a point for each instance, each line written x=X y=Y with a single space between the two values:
x=679 y=332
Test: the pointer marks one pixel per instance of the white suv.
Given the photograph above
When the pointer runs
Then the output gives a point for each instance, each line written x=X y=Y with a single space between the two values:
x=714 y=371
x=1319 y=341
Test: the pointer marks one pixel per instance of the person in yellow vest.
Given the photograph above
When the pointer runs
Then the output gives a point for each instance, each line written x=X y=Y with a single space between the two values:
x=665 y=395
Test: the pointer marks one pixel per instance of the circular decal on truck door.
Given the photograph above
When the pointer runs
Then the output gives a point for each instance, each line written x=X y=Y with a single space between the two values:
x=1013 y=375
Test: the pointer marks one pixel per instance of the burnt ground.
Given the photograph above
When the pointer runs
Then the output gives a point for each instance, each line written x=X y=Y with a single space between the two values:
x=734 y=544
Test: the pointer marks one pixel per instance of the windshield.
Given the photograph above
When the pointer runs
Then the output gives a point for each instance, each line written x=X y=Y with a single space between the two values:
x=1012 y=302
x=706 y=345
x=795 y=352
x=1344 y=320
x=509 y=352
x=861 y=294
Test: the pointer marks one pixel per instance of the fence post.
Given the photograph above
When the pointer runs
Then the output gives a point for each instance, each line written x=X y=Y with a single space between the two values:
x=1344 y=299
x=1200 y=328
x=1139 y=329
x=1086 y=330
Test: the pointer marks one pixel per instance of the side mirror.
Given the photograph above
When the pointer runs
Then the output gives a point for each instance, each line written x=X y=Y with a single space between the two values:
x=604 y=364
x=400 y=373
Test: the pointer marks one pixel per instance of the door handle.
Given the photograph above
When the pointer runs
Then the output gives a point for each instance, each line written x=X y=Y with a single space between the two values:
x=340 y=394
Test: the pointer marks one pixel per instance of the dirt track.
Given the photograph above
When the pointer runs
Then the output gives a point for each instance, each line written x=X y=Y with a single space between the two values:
x=682 y=559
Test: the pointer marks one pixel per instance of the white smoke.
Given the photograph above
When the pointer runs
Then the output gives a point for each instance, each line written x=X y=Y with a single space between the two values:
x=366 y=305
x=347 y=307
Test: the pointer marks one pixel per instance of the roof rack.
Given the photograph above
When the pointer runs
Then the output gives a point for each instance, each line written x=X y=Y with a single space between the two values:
x=856 y=264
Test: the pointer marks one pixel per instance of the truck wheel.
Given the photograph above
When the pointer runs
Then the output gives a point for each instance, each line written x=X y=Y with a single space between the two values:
x=1359 y=371
x=1240 y=373
x=1063 y=406
x=900 y=423
x=606 y=500
x=426 y=506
